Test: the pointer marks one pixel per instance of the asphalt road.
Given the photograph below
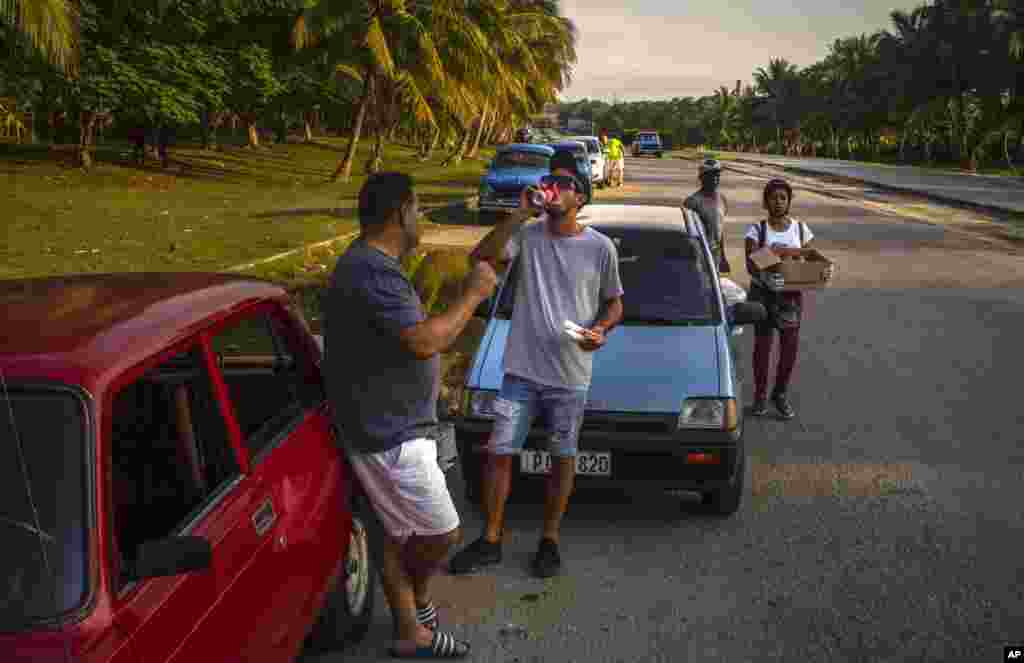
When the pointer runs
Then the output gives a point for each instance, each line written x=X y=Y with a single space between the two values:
x=993 y=190
x=882 y=524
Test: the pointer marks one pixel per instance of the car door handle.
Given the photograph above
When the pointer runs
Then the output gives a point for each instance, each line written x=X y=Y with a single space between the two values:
x=264 y=517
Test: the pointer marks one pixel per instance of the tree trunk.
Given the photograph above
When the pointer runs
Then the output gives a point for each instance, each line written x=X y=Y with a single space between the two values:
x=376 y=160
x=254 y=136
x=460 y=149
x=475 y=148
x=87 y=127
x=344 y=169
x=1006 y=151
x=431 y=144
x=308 y=129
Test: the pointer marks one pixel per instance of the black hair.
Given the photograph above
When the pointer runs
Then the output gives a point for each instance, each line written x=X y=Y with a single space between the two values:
x=564 y=159
x=774 y=185
x=381 y=197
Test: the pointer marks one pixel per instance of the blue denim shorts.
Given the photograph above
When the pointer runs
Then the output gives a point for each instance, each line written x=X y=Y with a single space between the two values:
x=519 y=403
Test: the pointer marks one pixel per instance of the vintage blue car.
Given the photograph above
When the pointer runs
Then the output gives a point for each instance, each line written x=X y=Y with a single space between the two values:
x=665 y=407
x=514 y=167
x=579 y=150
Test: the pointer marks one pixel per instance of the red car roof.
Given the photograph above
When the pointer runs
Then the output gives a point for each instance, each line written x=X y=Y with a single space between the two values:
x=82 y=328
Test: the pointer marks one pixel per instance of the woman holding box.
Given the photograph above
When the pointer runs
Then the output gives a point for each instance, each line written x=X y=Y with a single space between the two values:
x=785 y=237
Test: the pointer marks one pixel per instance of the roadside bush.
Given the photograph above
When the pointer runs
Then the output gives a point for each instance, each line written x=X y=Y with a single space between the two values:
x=437 y=277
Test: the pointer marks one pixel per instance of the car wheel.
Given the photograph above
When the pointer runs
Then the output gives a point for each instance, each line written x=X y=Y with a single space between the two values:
x=348 y=609
x=488 y=218
x=726 y=501
x=659 y=155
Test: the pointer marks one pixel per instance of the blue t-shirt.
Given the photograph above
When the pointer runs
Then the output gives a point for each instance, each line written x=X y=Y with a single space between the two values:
x=381 y=394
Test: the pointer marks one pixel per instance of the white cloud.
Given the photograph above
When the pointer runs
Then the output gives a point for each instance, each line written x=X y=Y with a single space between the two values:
x=647 y=49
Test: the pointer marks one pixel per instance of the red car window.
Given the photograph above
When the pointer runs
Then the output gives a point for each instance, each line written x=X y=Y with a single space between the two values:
x=171 y=452
x=271 y=379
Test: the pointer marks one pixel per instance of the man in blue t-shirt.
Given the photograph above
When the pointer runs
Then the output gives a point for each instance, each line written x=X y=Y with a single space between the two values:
x=382 y=374
x=567 y=272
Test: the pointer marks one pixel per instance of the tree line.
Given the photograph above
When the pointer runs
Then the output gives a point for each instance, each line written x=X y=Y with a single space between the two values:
x=437 y=74
x=943 y=84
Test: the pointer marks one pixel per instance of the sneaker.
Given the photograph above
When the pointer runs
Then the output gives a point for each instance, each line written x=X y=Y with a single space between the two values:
x=475 y=556
x=760 y=407
x=782 y=404
x=547 y=562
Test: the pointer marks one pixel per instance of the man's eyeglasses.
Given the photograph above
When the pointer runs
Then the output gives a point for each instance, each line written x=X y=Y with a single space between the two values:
x=560 y=182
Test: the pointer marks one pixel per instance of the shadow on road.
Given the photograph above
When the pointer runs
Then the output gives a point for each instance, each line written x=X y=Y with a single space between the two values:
x=457 y=214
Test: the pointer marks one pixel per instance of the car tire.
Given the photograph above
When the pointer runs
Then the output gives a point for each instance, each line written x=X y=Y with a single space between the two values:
x=726 y=501
x=348 y=609
x=659 y=155
x=488 y=218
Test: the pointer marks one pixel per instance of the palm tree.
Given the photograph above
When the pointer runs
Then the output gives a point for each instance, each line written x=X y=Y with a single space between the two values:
x=724 y=116
x=51 y=26
x=777 y=81
x=364 y=40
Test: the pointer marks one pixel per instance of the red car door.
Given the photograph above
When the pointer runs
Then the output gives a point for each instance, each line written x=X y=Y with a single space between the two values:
x=278 y=399
x=183 y=471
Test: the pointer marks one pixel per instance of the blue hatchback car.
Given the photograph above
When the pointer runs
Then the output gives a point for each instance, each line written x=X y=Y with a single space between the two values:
x=514 y=167
x=665 y=407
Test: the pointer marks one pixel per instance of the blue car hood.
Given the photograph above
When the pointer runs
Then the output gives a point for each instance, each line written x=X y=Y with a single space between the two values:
x=515 y=178
x=640 y=369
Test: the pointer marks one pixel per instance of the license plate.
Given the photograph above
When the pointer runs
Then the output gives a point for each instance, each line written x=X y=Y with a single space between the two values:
x=589 y=463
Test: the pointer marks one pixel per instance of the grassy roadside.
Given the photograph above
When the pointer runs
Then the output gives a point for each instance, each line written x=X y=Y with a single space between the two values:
x=208 y=211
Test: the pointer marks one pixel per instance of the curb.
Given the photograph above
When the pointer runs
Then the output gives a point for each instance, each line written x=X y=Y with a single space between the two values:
x=278 y=256
x=316 y=245
x=937 y=197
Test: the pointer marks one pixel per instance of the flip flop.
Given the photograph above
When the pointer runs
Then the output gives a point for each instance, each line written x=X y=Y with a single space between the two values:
x=443 y=645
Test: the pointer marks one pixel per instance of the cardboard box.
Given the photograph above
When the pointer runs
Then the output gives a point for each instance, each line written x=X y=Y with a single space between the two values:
x=806 y=273
x=764 y=258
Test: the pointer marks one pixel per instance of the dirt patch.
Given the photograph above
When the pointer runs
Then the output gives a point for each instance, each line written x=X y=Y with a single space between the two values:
x=833 y=479
x=152 y=182
x=465 y=599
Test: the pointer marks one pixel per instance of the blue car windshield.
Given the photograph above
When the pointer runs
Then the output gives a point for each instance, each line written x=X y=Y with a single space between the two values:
x=522 y=159
x=665 y=277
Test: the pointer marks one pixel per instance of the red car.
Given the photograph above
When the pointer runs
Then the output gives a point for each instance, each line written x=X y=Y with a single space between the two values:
x=171 y=486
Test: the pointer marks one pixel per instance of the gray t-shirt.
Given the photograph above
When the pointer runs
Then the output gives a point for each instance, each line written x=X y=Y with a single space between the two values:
x=560 y=278
x=381 y=394
x=712 y=214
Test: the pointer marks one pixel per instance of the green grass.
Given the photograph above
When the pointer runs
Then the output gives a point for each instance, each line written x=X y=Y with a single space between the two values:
x=209 y=211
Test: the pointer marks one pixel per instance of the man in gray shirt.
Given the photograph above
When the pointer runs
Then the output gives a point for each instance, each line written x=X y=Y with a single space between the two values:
x=711 y=206
x=382 y=371
x=567 y=272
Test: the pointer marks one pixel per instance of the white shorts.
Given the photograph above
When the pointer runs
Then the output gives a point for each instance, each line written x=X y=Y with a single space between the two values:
x=407 y=489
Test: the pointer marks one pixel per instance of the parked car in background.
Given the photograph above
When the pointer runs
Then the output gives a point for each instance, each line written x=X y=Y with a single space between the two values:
x=665 y=404
x=579 y=150
x=514 y=167
x=172 y=484
x=597 y=158
x=647 y=143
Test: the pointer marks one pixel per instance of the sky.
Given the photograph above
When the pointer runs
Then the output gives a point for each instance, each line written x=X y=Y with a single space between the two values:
x=632 y=50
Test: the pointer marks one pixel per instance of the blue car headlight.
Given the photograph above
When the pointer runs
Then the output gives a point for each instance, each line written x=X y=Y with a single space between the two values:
x=708 y=413
x=479 y=403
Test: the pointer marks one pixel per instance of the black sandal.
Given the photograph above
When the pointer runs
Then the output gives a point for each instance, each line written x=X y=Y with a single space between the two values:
x=428 y=616
x=443 y=645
